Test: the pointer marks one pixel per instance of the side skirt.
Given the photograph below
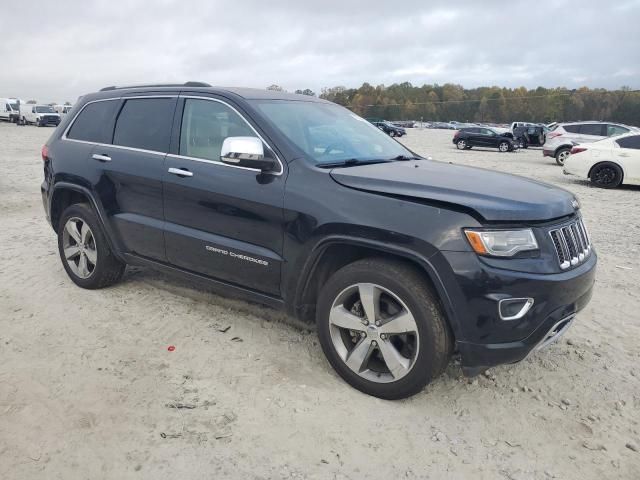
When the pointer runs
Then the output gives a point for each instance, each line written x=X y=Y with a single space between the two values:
x=225 y=289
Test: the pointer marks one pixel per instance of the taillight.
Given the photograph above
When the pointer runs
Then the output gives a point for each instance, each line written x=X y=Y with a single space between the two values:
x=457 y=134
x=45 y=153
x=575 y=150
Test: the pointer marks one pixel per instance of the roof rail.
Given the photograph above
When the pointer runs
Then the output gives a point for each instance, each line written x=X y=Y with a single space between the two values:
x=185 y=84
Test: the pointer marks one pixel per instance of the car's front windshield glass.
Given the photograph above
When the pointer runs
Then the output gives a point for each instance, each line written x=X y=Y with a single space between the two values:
x=44 y=110
x=14 y=106
x=329 y=133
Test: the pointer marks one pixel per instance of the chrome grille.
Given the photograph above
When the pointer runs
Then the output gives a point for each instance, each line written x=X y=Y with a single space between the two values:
x=572 y=243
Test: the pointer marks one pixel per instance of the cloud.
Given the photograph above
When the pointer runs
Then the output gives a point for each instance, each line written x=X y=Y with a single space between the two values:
x=62 y=50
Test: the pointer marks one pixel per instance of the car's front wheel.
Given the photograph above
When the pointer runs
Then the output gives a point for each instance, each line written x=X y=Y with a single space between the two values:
x=606 y=175
x=382 y=329
x=84 y=250
x=504 y=146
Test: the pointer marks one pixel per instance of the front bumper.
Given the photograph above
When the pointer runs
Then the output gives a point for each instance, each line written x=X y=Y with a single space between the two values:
x=548 y=153
x=483 y=338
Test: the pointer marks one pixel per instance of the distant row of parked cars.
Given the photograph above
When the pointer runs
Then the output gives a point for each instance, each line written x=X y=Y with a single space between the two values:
x=22 y=113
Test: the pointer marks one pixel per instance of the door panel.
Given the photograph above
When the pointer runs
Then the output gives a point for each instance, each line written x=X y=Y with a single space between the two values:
x=221 y=221
x=130 y=188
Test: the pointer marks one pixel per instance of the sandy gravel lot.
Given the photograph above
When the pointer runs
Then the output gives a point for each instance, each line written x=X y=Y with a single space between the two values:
x=88 y=389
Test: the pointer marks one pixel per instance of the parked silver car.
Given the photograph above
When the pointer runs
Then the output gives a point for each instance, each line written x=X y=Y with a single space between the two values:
x=562 y=138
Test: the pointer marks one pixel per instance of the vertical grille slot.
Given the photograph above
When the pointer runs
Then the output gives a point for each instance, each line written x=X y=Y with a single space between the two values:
x=572 y=244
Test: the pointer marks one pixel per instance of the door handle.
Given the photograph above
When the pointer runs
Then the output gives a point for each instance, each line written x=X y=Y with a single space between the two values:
x=101 y=158
x=181 y=172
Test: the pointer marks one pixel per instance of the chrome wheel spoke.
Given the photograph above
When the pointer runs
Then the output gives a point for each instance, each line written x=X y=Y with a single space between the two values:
x=85 y=234
x=72 y=229
x=83 y=269
x=71 y=252
x=92 y=255
x=357 y=359
x=343 y=318
x=396 y=363
x=401 y=323
x=370 y=298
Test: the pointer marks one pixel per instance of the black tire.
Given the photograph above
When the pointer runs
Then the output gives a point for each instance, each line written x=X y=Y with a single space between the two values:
x=606 y=175
x=504 y=147
x=108 y=269
x=435 y=339
x=461 y=144
x=468 y=147
x=561 y=155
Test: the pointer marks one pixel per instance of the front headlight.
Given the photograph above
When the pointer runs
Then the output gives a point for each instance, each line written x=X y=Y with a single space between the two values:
x=501 y=243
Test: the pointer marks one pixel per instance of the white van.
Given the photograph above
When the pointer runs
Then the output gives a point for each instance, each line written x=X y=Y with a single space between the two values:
x=9 y=111
x=63 y=109
x=39 y=115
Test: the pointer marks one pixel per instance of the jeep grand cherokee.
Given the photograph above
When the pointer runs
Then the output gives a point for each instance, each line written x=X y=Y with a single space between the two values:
x=300 y=204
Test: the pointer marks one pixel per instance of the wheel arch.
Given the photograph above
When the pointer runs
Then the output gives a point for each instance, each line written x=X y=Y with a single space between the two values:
x=331 y=254
x=66 y=194
x=611 y=162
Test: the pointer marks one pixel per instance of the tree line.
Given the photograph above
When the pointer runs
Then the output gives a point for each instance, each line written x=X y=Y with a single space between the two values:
x=404 y=101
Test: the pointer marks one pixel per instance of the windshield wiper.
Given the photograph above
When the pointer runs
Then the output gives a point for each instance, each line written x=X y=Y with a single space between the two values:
x=349 y=162
x=405 y=158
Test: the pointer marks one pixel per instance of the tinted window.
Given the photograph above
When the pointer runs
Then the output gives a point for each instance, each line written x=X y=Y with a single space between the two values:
x=93 y=123
x=205 y=125
x=572 y=128
x=616 y=130
x=145 y=123
x=592 y=129
x=630 y=142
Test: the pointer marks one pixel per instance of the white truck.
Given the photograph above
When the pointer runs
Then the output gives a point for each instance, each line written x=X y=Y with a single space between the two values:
x=40 y=115
x=9 y=111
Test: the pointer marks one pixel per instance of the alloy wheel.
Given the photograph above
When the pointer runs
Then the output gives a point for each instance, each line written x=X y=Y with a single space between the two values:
x=605 y=175
x=79 y=247
x=503 y=147
x=374 y=332
x=562 y=156
x=461 y=144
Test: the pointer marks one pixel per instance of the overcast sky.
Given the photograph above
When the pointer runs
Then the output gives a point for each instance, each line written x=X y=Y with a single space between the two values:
x=55 y=51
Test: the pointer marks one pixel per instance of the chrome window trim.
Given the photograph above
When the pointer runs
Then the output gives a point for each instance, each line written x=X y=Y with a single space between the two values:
x=277 y=174
x=204 y=160
x=178 y=156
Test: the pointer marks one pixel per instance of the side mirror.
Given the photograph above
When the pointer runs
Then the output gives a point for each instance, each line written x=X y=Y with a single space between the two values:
x=246 y=152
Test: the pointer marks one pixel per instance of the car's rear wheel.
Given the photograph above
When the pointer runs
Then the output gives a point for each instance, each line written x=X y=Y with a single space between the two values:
x=382 y=329
x=461 y=144
x=562 y=155
x=503 y=146
x=84 y=250
x=606 y=175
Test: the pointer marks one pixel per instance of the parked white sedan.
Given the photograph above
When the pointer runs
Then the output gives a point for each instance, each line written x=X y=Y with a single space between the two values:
x=608 y=163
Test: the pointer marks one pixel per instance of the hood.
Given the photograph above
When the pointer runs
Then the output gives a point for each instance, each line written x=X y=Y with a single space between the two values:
x=495 y=196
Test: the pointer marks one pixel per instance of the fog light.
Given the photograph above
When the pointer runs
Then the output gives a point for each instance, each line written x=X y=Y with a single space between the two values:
x=514 y=308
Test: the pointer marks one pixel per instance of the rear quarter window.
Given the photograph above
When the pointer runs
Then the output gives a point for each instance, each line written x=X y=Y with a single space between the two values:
x=616 y=130
x=572 y=128
x=94 y=122
x=630 y=142
x=145 y=123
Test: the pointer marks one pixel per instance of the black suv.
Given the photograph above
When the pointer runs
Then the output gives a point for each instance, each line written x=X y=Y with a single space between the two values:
x=468 y=137
x=389 y=128
x=297 y=203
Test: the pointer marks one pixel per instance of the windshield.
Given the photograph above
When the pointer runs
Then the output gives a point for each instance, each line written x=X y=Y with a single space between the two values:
x=45 y=109
x=329 y=133
x=14 y=106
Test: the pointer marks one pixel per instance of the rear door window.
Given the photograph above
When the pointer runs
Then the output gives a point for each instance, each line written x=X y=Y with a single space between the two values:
x=94 y=122
x=630 y=142
x=597 y=129
x=145 y=123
